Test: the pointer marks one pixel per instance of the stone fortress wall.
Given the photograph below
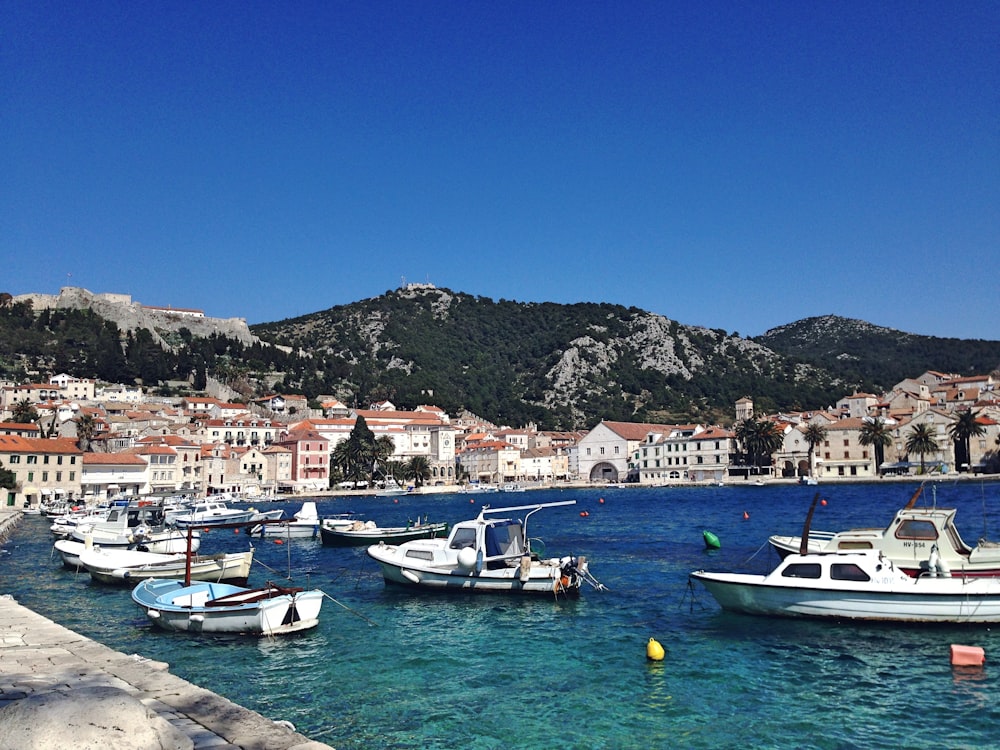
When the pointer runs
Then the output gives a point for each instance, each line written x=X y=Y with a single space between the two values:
x=130 y=315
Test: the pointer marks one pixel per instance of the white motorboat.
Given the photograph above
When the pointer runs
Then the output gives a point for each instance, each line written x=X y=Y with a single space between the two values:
x=69 y=551
x=128 y=566
x=391 y=488
x=304 y=524
x=858 y=585
x=918 y=540
x=139 y=526
x=212 y=513
x=222 y=608
x=486 y=554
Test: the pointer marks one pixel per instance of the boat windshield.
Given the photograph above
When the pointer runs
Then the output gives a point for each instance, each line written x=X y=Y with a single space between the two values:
x=463 y=537
x=504 y=539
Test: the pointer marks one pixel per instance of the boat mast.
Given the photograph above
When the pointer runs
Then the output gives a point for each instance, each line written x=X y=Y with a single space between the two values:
x=804 y=543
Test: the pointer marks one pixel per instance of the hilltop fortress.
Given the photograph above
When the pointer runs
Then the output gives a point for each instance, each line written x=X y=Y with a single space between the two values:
x=130 y=315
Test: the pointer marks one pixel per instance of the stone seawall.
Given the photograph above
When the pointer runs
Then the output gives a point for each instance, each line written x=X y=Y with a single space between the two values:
x=59 y=689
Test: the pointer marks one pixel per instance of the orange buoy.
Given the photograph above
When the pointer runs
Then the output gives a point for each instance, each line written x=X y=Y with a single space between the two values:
x=601 y=501
x=396 y=500
x=822 y=502
x=746 y=516
x=236 y=531
x=279 y=541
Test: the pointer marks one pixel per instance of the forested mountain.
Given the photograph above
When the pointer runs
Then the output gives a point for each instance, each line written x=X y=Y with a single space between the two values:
x=561 y=366
x=876 y=358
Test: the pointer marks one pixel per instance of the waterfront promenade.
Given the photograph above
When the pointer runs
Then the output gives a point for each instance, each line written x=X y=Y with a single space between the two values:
x=62 y=672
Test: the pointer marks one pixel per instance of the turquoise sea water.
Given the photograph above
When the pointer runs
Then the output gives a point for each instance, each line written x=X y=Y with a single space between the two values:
x=391 y=668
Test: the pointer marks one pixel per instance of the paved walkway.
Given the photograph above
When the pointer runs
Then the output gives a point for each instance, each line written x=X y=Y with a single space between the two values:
x=38 y=656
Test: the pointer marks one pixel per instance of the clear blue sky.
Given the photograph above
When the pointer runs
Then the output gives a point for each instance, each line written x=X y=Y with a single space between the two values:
x=737 y=165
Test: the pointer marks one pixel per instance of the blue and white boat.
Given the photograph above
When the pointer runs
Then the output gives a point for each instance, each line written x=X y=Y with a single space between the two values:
x=223 y=608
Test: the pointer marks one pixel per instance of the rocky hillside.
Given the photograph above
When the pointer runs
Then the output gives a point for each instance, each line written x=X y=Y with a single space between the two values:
x=559 y=365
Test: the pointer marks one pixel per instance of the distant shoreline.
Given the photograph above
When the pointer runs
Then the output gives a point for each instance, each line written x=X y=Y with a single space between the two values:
x=454 y=489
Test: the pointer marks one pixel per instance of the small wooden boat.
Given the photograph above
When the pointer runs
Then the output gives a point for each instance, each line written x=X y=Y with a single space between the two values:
x=222 y=608
x=363 y=533
x=484 y=555
x=129 y=566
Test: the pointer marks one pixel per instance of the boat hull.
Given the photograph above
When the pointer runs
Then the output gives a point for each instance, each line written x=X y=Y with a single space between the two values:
x=126 y=568
x=922 y=600
x=291 y=530
x=172 y=606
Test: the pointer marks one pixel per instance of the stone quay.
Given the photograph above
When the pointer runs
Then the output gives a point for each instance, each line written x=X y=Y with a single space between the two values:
x=61 y=689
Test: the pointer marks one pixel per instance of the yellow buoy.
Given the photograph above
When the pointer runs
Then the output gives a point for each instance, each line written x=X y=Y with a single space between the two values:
x=654 y=651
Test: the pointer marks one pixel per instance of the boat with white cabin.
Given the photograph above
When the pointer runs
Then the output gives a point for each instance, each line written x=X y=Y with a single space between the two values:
x=917 y=540
x=854 y=584
x=211 y=512
x=487 y=554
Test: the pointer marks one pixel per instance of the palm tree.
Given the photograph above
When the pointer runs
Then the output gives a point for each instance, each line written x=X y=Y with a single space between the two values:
x=86 y=426
x=24 y=412
x=760 y=438
x=921 y=440
x=962 y=430
x=814 y=434
x=418 y=469
x=875 y=433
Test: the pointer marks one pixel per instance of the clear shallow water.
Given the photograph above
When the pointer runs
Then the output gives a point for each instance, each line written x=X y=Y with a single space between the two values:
x=396 y=669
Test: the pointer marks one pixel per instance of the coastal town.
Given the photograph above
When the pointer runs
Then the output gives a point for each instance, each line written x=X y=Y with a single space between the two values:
x=76 y=440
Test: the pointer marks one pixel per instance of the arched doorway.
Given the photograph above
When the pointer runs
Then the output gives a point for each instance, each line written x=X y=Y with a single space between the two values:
x=603 y=472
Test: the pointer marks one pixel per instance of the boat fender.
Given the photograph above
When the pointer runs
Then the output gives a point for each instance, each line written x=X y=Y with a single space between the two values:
x=944 y=570
x=467 y=558
x=932 y=562
x=197 y=618
x=153 y=614
x=409 y=575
